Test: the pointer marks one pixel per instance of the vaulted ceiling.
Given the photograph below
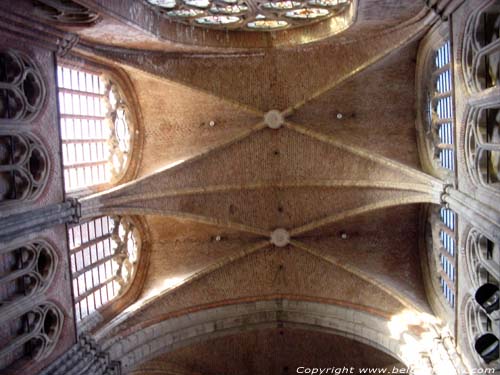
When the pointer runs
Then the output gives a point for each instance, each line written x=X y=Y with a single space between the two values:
x=267 y=351
x=341 y=176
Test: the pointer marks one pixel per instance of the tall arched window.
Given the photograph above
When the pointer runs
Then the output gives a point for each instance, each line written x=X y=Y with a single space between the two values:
x=104 y=254
x=96 y=128
x=440 y=108
x=442 y=249
x=447 y=251
x=435 y=92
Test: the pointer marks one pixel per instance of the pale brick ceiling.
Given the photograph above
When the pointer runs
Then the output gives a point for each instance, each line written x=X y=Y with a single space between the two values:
x=320 y=176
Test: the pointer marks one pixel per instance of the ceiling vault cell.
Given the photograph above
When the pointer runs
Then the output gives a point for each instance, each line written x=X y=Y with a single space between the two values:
x=359 y=273
x=191 y=69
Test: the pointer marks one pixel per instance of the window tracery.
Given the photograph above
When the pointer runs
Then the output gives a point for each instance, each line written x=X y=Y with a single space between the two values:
x=442 y=244
x=483 y=146
x=22 y=91
x=440 y=118
x=483 y=258
x=24 y=167
x=483 y=310
x=482 y=333
x=481 y=68
x=104 y=254
x=481 y=57
x=29 y=326
x=96 y=128
x=26 y=270
x=31 y=333
x=447 y=253
x=249 y=14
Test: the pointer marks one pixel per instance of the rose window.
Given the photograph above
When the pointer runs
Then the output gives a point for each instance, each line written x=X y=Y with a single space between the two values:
x=250 y=15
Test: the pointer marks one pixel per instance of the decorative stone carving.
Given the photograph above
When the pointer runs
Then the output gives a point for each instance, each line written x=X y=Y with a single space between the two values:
x=481 y=49
x=40 y=328
x=30 y=267
x=126 y=241
x=482 y=341
x=482 y=146
x=22 y=90
x=24 y=166
x=120 y=123
x=482 y=258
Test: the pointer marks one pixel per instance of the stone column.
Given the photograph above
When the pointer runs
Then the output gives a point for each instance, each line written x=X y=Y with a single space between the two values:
x=84 y=358
x=22 y=224
x=484 y=217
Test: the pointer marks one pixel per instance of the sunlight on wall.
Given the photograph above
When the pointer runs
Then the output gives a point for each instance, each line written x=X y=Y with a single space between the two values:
x=169 y=283
x=405 y=320
x=168 y=166
x=421 y=338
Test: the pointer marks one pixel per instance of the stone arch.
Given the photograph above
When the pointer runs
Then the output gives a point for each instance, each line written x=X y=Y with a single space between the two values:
x=396 y=336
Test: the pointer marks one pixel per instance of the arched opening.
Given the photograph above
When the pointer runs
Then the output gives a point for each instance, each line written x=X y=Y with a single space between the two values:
x=104 y=253
x=97 y=129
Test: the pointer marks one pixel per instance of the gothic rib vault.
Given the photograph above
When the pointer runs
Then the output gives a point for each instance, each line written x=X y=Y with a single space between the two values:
x=213 y=182
x=212 y=195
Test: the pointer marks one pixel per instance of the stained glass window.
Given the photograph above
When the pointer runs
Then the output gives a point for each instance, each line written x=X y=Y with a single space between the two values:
x=246 y=15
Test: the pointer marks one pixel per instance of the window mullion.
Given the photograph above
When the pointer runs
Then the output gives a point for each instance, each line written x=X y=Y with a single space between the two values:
x=95 y=288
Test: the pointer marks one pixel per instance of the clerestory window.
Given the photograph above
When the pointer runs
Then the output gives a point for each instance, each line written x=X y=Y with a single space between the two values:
x=104 y=253
x=447 y=254
x=440 y=109
x=95 y=128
